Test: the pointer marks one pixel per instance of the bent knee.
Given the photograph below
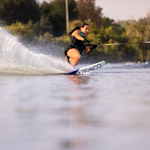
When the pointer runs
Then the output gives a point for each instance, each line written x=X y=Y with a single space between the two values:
x=77 y=57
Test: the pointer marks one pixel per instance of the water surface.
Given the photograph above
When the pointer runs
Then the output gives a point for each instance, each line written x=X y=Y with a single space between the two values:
x=107 y=110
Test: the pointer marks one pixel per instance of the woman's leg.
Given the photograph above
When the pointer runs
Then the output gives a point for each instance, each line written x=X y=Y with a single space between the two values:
x=74 y=55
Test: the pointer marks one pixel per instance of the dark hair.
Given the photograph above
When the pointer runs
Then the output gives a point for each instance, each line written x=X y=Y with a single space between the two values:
x=78 y=27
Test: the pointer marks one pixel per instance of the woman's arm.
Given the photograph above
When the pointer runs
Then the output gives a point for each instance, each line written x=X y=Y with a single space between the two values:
x=87 y=49
x=76 y=33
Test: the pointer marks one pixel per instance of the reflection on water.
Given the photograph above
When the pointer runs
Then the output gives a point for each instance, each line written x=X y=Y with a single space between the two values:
x=107 y=110
x=78 y=79
x=77 y=119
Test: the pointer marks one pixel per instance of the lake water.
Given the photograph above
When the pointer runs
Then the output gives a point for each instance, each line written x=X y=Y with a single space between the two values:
x=105 y=110
x=108 y=110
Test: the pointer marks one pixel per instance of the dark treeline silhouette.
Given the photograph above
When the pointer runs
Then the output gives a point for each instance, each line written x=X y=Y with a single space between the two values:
x=19 y=10
x=47 y=16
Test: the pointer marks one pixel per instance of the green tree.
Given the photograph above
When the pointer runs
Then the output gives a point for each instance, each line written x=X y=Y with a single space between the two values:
x=21 y=30
x=88 y=11
x=45 y=24
x=139 y=31
x=19 y=10
x=55 y=12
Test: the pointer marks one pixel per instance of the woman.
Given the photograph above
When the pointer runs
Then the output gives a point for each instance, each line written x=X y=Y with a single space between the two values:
x=77 y=44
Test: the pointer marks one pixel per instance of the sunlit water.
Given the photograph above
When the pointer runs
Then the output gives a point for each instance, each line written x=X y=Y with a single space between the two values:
x=105 y=110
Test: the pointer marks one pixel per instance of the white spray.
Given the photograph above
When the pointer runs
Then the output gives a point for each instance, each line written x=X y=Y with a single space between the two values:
x=17 y=58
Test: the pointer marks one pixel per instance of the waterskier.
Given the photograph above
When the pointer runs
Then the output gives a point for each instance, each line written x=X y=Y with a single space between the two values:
x=78 y=43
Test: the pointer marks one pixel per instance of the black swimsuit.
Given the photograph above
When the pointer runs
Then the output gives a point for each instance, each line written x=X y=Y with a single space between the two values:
x=75 y=43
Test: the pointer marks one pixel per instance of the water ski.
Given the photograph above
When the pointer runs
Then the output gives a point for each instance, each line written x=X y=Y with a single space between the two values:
x=88 y=69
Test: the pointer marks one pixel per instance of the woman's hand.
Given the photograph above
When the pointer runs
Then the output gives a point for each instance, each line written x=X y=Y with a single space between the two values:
x=93 y=46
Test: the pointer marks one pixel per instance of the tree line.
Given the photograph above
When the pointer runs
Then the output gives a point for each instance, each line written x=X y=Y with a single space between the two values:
x=46 y=23
x=48 y=16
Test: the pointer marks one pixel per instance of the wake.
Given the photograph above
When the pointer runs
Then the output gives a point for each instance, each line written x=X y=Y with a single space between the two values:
x=15 y=58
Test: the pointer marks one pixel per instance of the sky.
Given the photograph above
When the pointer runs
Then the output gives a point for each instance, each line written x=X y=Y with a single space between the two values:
x=124 y=9
x=121 y=10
